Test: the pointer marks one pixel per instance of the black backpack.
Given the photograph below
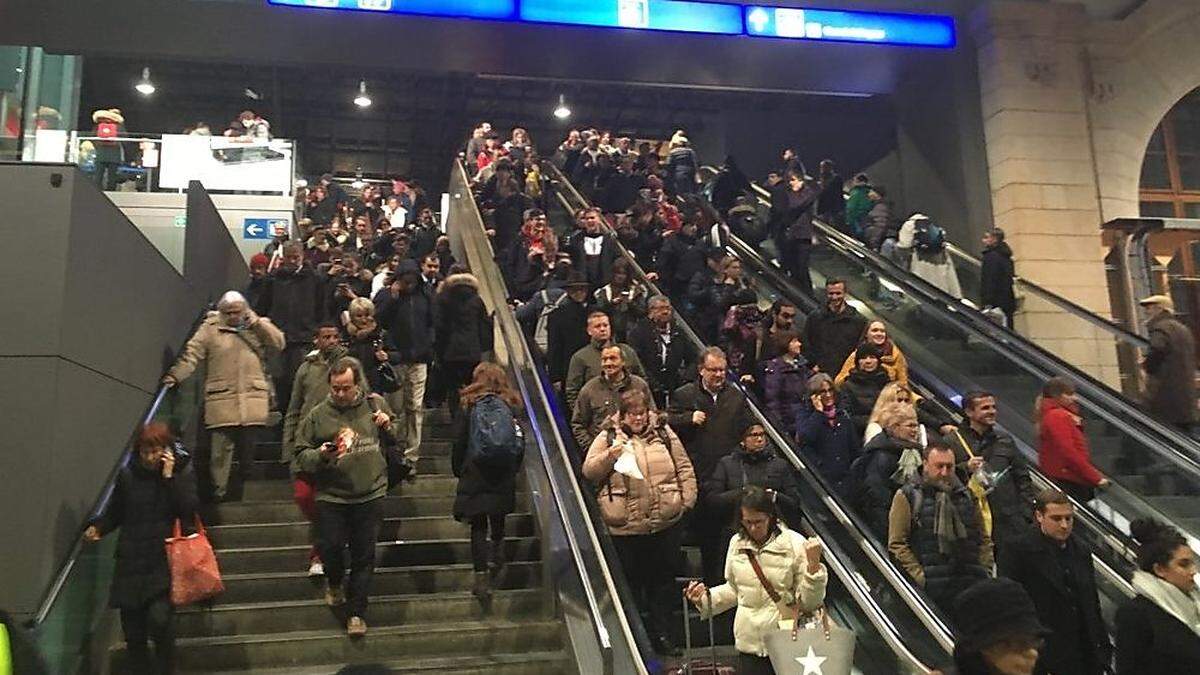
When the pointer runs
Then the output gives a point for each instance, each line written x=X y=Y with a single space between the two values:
x=929 y=236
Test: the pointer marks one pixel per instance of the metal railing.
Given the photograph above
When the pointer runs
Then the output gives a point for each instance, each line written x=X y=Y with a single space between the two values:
x=849 y=579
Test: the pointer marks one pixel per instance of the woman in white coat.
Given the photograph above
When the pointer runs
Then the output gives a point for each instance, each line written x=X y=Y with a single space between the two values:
x=791 y=566
x=936 y=267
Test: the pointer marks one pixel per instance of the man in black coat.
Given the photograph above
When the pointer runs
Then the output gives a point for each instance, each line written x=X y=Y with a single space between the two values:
x=977 y=442
x=294 y=300
x=566 y=327
x=701 y=291
x=996 y=275
x=833 y=331
x=665 y=352
x=593 y=250
x=405 y=309
x=1058 y=574
x=709 y=416
x=679 y=260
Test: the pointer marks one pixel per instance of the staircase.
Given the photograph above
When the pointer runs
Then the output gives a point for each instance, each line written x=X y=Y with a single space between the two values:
x=272 y=617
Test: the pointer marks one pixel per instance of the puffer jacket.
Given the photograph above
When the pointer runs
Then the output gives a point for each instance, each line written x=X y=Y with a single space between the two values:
x=785 y=388
x=631 y=506
x=463 y=326
x=784 y=565
x=236 y=389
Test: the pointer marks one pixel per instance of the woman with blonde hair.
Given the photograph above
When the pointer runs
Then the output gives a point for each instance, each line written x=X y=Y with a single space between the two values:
x=892 y=458
x=487 y=479
x=927 y=413
x=891 y=359
x=371 y=344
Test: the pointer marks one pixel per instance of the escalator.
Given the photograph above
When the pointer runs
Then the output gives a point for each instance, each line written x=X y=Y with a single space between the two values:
x=1155 y=469
x=897 y=629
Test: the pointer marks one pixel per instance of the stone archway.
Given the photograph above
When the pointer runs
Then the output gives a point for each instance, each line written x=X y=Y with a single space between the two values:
x=1141 y=67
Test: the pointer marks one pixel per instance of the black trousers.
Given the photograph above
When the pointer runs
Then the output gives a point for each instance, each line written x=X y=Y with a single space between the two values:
x=750 y=664
x=1080 y=492
x=455 y=375
x=155 y=621
x=796 y=255
x=289 y=362
x=650 y=562
x=355 y=525
x=479 y=538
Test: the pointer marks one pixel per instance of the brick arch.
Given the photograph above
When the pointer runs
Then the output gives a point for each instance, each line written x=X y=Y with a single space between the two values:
x=1140 y=67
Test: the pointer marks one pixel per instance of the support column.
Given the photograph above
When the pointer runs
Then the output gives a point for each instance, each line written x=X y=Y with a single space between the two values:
x=1033 y=83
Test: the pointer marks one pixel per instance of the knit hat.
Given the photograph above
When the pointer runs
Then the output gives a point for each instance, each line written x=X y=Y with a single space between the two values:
x=259 y=259
x=865 y=351
x=992 y=610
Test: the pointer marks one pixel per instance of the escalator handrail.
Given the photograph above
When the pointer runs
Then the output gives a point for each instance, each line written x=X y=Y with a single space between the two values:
x=1182 y=450
x=519 y=351
x=1118 y=332
x=102 y=501
x=886 y=629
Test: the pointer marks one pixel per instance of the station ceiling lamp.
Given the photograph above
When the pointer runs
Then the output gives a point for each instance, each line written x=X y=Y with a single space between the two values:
x=362 y=100
x=145 y=87
x=562 y=112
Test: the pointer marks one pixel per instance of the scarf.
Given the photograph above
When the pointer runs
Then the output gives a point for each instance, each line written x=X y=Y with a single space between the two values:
x=947 y=525
x=1182 y=606
x=358 y=333
x=906 y=466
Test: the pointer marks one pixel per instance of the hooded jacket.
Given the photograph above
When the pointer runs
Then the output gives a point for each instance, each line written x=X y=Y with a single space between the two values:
x=667 y=491
x=858 y=205
x=785 y=388
x=408 y=317
x=311 y=386
x=1063 y=452
x=785 y=566
x=236 y=390
x=464 y=328
x=359 y=475
x=996 y=278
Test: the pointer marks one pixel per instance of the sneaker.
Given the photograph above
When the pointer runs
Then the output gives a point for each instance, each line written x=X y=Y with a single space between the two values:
x=335 y=596
x=356 y=627
x=316 y=569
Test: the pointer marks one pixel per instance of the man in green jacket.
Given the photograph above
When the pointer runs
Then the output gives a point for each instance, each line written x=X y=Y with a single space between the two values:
x=311 y=386
x=339 y=443
x=585 y=363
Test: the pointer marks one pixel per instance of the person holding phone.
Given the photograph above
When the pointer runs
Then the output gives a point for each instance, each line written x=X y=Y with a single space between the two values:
x=825 y=431
x=151 y=492
x=772 y=574
x=647 y=486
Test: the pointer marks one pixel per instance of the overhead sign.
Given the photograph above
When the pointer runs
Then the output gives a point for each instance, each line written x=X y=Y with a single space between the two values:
x=262 y=228
x=673 y=15
x=720 y=18
x=476 y=9
x=835 y=25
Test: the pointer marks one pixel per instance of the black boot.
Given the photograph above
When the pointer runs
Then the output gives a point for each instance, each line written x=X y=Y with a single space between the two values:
x=498 y=560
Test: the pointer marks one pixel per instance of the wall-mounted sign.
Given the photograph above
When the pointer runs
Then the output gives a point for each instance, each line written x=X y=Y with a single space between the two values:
x=821 y=24
x=720 y=18
x=262 y=228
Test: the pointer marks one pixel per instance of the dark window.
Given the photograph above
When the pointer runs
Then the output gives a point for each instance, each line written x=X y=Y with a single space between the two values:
x=1170 y=179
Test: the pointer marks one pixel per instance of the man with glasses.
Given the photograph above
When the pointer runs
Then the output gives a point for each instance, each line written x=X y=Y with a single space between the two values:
x=709 y=416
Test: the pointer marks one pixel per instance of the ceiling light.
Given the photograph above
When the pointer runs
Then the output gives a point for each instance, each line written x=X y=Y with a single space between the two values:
x=562 y=112
x=145 y=87
x=362 y=100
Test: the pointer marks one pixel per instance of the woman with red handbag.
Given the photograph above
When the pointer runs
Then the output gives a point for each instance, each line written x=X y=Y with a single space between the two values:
x=155 y=489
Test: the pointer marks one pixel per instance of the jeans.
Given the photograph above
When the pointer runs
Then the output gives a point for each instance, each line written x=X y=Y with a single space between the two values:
x=408 y=403
x=356 y=525
x=650 y=562
x=479 y=538
x=153 y=621
x=226 y=443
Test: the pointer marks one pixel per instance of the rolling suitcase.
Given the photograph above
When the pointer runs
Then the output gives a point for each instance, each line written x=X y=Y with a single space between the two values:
x=692 y=666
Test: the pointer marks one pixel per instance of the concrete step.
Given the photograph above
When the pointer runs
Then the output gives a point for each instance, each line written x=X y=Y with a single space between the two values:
x=313 y=614
x=525 y=663
x=285 y=510
x=281 y=489
x=387 y=554
x=295 y=533
x=284 y=586
x=270 y=469
x=332 y=646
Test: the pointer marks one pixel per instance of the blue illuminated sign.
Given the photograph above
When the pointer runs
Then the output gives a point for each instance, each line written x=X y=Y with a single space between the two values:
x=676 y=15
x=476 y=9
x=821 y=24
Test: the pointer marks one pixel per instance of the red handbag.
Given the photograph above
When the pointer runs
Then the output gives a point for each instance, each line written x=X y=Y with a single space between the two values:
x=193 y=564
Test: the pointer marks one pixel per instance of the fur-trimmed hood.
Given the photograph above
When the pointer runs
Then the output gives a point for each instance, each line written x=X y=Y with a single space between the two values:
x=460 y=279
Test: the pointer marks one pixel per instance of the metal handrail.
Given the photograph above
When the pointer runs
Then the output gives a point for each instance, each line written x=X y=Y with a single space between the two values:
x=102 y=501
x=886 y=629
x=518 y=349
x=1182 y=450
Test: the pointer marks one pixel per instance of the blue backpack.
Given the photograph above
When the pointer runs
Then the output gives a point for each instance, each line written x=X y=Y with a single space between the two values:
x=929 y=237
x=495 y=439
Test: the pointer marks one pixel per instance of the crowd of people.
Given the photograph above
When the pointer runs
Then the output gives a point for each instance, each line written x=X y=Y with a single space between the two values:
x=341 y=329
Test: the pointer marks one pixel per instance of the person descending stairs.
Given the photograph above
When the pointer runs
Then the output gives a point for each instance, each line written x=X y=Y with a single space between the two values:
x=273 y=617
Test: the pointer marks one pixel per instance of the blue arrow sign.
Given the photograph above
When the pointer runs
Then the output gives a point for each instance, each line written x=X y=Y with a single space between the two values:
x=261 y=228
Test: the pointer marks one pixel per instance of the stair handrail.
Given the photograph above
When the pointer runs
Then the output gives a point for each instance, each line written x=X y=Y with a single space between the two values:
x=518 y=349
x=879 y=619
x=103 y=499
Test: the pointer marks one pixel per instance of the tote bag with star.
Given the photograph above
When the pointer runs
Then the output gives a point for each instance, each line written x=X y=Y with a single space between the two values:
x=816 y=648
